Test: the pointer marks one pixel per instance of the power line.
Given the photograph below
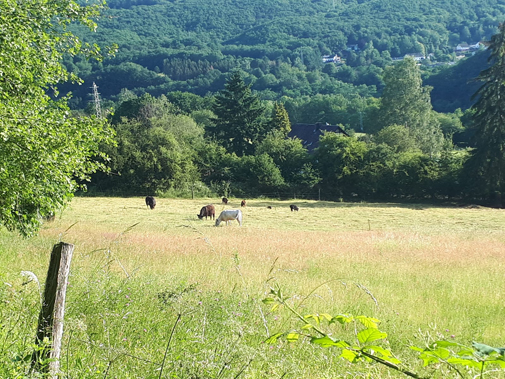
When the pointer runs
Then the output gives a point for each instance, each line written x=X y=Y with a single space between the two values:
x=96 y=100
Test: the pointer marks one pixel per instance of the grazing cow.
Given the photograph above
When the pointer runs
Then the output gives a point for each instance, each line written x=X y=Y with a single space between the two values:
x=150 y=202
x=242 y=203
x=225 y=200
x=230 y=215
x=293 y=207
x=269 y=207
x=208 y=210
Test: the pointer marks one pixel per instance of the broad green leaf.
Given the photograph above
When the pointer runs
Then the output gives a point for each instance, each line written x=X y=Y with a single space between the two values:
x=273 y=338
x=369 y=335
x=328 y=341
x=368 y=322
x=443 y=343
x=466 y=352
x=326 y=316
x=349 y=355
x=384 y=354
x=484 y=349
x=464 y=362
x=292 y=337
x=343 y=319
x=319 y=317
x=428 y=358
x=441 y=353
x=268 y=300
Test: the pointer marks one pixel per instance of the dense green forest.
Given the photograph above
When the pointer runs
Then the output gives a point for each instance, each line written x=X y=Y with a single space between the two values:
x=191 y=46
x=198 y=91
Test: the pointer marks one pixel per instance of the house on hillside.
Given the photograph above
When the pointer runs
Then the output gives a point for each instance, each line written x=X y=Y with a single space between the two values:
x=464 y=47
x=416 y=56
x=310 y=133
x=331 y=59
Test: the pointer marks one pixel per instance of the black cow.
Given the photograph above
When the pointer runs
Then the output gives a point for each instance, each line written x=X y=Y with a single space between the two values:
x=293 y=207
x=209 y=211
x=224 y=200
x=150 y=202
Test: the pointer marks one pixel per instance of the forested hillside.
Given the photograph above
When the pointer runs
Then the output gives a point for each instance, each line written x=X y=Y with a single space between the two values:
x=204 y=94
x=192 y=45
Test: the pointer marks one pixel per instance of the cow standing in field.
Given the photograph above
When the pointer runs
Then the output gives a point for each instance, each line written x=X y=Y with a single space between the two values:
x=224 y=200
x=150 y=202
x=242 y=203
x=230 y=215
x=209 y=211
x=293 y=207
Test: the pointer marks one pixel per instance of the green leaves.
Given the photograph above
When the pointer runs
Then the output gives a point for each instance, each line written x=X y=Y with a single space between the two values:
x=485 y=350
x=455 y=354
x=369 y=335
x=44 y=149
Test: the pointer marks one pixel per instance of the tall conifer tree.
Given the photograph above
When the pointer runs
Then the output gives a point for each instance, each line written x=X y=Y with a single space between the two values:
x=486 y=166
x=237 y=123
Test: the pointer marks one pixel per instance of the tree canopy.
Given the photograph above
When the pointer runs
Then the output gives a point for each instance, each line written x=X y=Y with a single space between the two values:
x=237 y=123
x=44 y=149
x=487 y=163
x=406 y=102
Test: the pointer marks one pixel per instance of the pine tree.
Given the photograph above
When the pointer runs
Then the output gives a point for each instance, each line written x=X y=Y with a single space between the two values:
x=406 y=102
x=237 y=123
x=486 y=166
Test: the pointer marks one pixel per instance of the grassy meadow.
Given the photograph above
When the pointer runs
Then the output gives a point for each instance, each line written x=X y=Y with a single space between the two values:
x=159 y=293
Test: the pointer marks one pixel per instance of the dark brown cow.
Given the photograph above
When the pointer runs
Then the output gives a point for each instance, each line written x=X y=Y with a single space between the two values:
x=269 y=207
x=224 y=200
x=150 y=202
x=293 y=207
x=209 y=211
x=242 y=203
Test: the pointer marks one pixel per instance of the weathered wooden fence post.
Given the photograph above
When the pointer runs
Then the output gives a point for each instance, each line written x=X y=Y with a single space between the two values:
x=51 y=315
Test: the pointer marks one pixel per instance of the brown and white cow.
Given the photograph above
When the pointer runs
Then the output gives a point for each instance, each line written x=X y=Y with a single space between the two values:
x=207 y=211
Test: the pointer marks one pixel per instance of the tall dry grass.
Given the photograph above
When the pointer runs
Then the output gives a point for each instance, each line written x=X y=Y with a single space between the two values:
x=420 y=269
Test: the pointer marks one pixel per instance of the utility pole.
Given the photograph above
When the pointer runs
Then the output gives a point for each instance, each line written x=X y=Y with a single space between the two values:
x=96 y=100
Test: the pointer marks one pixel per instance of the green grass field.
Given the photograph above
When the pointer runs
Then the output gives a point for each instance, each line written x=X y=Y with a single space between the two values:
x=426 y=272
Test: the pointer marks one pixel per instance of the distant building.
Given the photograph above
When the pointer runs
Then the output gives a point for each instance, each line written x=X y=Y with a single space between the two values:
x=331 y=59
x=417 y=57
x=464 y=47
x=353 y=47
x=309 y=133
